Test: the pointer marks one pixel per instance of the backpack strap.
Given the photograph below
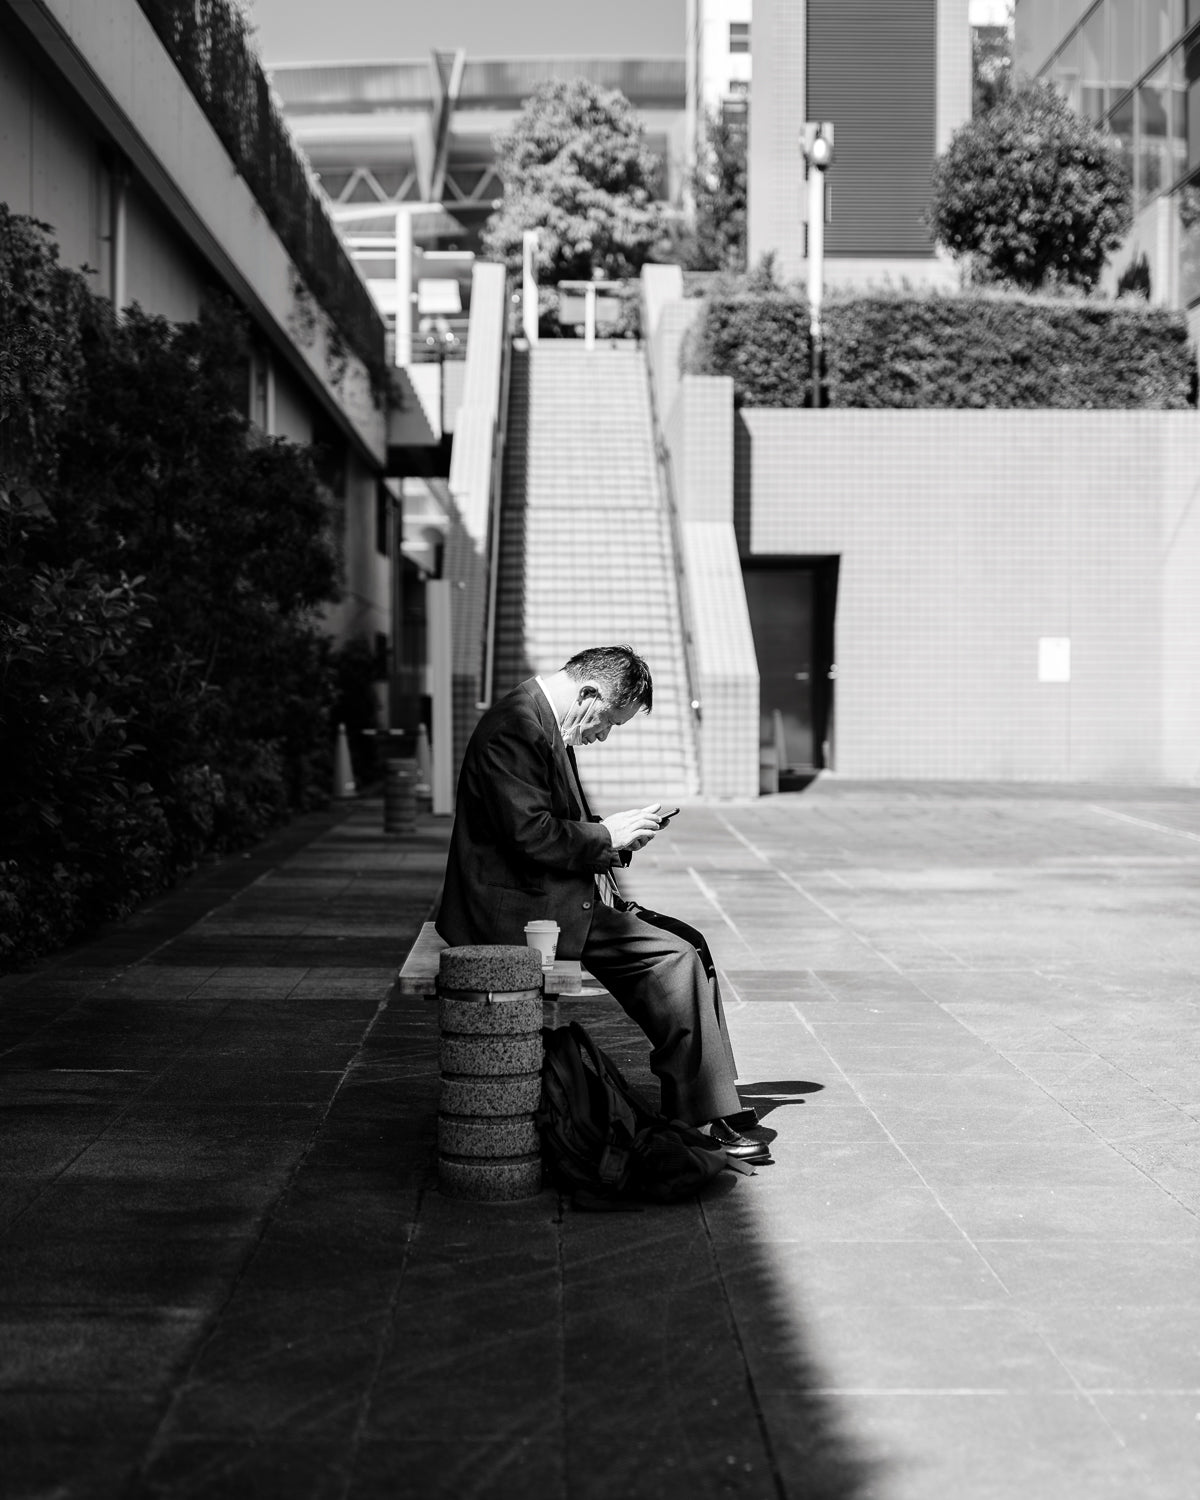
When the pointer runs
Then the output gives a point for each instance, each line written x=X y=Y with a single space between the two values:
x=619 y=1124
x=637 y=1110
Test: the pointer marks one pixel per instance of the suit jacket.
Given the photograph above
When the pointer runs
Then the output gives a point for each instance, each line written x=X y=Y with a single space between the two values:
x=524 y=845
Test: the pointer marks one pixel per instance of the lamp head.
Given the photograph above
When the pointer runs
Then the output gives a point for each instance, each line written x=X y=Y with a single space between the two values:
x=816 y=144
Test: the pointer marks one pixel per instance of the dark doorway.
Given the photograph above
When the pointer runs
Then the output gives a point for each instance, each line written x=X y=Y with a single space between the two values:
x=792 y=602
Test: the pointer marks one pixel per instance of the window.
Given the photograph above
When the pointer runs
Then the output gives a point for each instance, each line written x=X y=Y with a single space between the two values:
x=1120 y=122
x=739 y=36
x=1191 y=83
x=1123 y=60
x=1094 y=81
x=1187 y=202
x=1066 y=71
x=1162 y=22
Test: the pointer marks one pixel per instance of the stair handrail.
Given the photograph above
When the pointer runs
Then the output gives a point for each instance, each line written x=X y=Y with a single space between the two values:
x=499 y=440
x=662 y=456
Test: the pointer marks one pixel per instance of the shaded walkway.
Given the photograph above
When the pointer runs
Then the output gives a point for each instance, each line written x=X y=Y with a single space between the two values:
x=967 y=1015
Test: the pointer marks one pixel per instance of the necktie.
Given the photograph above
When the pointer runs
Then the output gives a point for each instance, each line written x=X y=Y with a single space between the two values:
x=606 y=887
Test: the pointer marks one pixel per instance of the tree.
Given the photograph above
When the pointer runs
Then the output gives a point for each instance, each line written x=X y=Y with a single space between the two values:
x=1031 y=194
x=576 y=167
x=991 y=66
x=718 y=240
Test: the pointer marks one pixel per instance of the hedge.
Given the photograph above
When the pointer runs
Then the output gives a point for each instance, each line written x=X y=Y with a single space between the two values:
x=893 y=349
x=165 y=683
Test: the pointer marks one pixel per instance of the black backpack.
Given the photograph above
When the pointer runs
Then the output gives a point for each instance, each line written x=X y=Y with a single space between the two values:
x=601 y=1140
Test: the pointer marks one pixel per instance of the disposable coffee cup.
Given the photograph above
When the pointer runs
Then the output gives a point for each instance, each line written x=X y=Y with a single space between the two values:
x=543 y=935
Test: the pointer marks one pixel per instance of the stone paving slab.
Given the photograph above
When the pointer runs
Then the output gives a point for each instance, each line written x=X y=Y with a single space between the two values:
x=967 y=1016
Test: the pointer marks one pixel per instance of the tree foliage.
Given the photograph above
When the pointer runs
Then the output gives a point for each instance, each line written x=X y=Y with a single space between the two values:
x=576 y=167
x=164 y=681
x=991 y=66
x=1031 y=194
x=718 y=238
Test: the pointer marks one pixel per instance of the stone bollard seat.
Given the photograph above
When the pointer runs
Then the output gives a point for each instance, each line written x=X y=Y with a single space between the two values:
x=490 y=1054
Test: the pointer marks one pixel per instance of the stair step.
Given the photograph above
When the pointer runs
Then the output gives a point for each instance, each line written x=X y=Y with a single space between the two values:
x=585 y=552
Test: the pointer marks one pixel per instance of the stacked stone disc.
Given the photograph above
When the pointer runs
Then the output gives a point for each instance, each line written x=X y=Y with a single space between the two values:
x=490 y=1051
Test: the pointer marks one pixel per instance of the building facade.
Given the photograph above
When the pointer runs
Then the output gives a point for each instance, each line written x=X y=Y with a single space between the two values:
x=1133 y=67
x=103 y=138
x=408 y=133
x=719 y=66
x=893 y=77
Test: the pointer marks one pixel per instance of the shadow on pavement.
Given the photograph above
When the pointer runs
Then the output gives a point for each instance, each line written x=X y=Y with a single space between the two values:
x=767 y=1097
x=226 y=1269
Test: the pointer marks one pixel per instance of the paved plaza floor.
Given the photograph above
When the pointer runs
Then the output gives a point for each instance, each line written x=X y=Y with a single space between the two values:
x=968 y=1016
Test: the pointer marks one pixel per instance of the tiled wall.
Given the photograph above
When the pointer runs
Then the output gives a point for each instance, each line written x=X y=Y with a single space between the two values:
x=774 y=165
x=776 y=183
x=466 y=553
x=953 y=69
x=1181 y=605
x=699 y=435
x=964 y=537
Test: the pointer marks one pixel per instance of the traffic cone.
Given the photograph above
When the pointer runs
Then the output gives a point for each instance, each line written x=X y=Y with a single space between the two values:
x=424 y=788
x=343 y=774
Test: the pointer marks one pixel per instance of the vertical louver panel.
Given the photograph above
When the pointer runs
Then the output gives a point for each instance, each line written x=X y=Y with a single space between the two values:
x=872 y=70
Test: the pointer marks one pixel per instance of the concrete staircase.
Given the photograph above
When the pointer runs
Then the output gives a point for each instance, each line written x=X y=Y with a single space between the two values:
x=586 y=556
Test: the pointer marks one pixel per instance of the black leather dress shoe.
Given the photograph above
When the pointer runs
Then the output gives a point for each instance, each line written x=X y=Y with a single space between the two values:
x=726 y=1138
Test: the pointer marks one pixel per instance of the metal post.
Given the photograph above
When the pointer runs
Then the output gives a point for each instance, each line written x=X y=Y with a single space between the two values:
x=816 y=266
x=816 y=146
x=120 y=240
x=529 y=287
x=404 y=287
x=589 y=317
x=441 y=686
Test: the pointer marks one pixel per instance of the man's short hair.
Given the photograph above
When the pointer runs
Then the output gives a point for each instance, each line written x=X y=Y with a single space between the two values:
x=620 y=671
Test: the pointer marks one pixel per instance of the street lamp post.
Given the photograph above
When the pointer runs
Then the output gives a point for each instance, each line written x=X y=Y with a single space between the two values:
x=529 y=286
x=816 y=146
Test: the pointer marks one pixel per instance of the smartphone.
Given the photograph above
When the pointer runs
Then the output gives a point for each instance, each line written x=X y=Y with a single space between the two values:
x=666 y=815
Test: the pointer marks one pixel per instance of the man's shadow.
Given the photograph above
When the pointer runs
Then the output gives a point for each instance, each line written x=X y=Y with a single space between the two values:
x=765 y=1098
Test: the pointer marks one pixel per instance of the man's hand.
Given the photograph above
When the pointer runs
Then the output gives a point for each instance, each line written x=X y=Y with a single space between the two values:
x=582 y=714
x=635 y=829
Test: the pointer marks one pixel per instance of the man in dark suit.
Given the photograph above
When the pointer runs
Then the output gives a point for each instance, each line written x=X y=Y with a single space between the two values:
x=525 y=845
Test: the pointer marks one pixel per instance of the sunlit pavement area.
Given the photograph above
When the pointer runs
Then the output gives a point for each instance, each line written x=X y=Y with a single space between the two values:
x=967 y=1016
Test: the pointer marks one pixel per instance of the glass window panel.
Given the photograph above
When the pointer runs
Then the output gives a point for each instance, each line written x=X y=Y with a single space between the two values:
x=1029 y=37
x=1120 y=123
x=1066 y=72
x=1191 y=85
x=1176 y=102
x=1153 y=132
x=1162 y=22
x=1093 y=82
x=1122 y=40
x=1187 y=201
x=1193 y=12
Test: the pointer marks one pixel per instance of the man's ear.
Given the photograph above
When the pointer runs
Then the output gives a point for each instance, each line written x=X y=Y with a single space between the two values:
x=589 y=690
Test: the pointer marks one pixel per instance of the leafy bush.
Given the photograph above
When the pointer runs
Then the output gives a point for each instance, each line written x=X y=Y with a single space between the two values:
x=892 y=349
x=760 y=339
x=170 y=695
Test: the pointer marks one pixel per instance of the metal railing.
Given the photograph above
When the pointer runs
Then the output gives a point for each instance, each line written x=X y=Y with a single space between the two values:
x=208 y=42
